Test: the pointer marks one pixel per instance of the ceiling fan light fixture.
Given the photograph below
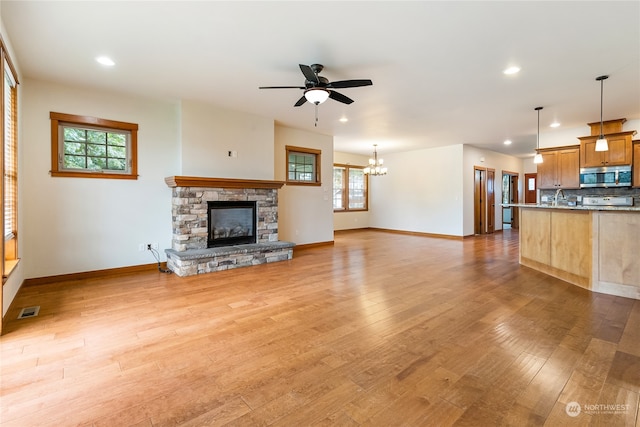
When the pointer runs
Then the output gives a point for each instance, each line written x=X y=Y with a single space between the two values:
x=316 y=95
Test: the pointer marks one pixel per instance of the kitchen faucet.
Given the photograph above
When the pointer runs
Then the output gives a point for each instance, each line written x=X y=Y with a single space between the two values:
x=555 y=198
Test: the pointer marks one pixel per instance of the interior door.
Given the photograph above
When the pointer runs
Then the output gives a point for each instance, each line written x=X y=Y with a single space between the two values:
x=515 y=197
x=530 y=187
x=491 y=201
x=479 y=209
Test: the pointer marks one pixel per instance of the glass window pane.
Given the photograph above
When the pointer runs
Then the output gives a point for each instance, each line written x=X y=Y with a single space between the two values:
x=96 y=137
x=96 y=163
x=118 y=139
x=73 y=134
x=96 y=150
x=115 y=164
x=357 y=195
x=118 y=152
x=301 y=167
x=74 y=162
x=74 y=148
x=338 y=187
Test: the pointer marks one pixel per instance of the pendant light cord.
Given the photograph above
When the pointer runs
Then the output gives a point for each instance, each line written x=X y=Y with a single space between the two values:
x=316 y=123
x=601 y=96
x=601 y=79
x=538 y=140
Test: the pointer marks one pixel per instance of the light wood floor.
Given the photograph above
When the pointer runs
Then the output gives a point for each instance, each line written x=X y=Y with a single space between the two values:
x=381 y=329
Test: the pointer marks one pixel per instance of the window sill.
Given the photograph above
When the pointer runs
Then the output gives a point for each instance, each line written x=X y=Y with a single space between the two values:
x=101 y=175
x=9 y=266
x=310 y=184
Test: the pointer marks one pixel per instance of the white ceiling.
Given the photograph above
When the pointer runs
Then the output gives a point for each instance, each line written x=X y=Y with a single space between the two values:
x=436 y=66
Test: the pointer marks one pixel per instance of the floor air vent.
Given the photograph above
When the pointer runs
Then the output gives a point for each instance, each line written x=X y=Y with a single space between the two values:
x=29 y=312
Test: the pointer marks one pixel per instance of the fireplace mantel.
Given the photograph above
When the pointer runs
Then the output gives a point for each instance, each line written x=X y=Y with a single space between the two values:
x=203 y=182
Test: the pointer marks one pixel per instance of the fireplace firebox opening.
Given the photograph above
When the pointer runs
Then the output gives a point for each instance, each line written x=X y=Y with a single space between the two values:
x=231 y=223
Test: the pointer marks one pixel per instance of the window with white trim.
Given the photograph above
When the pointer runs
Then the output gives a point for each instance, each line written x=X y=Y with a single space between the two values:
x=89 y=147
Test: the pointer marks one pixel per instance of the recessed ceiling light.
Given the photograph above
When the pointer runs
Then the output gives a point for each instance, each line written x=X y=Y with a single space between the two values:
x=105 y=60
x=512 y=70
x=344 y=120
x=554 y=125
x=507 y=142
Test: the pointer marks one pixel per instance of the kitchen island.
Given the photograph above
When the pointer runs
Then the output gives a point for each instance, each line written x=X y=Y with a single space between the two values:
x=594 y=247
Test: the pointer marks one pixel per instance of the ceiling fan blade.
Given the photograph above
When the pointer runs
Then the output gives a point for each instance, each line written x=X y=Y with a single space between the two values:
x=309 y=74
x=339 y=97
x=300 y=101
x=281 y=87
x=350 y=83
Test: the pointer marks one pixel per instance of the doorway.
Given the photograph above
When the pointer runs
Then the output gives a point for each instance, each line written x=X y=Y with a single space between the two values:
x=510 y=196
x=484 y=200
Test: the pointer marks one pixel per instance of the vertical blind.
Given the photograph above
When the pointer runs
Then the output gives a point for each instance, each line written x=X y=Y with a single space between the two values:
x=10 y=155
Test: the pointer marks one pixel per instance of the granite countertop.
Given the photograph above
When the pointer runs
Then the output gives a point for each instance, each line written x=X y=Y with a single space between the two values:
x=578 y=208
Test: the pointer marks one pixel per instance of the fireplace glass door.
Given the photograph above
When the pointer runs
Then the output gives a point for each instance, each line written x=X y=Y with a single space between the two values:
x=231 y=223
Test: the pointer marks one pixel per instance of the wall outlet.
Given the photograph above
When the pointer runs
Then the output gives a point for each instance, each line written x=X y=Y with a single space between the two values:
x=142 y=247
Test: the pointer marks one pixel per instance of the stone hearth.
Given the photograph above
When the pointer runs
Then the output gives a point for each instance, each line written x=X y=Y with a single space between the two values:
x=189 y=254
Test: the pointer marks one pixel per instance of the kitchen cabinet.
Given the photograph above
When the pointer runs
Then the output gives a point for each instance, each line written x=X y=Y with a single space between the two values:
x=619 y=154
x=560 y=168
x=557 y=242
x=636 y=163
x=593 y=249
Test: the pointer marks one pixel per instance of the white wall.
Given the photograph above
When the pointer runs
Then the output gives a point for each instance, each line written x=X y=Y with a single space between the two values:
x=79 y=224
x=351 y=220
x=209 y=132
x=305 y=213
x=421 y=193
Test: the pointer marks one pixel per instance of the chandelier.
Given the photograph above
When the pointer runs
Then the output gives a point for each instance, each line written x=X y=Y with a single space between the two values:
x=375 y=165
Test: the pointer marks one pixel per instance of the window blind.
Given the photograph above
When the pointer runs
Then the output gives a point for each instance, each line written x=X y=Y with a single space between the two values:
x=10 y=155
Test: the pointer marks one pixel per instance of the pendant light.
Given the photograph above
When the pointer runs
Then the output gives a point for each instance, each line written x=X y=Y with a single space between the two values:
x=537 y=159
x=601 y=143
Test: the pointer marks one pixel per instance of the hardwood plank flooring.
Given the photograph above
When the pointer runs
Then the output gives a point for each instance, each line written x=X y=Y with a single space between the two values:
x=380 y=329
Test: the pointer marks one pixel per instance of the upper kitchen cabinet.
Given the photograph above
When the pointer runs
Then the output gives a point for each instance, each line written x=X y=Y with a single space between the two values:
x=620 y=151
x=560 y=168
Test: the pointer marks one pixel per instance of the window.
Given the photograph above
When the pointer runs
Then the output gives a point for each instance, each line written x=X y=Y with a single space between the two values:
x=89 y=147
x=349 y=188
x=303 y=166
x=9 y=162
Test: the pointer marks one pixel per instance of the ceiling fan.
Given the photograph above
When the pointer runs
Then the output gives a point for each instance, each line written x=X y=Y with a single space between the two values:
x=318 y=88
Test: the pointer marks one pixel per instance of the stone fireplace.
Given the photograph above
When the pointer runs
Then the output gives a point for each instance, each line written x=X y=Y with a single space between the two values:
x=221 y=223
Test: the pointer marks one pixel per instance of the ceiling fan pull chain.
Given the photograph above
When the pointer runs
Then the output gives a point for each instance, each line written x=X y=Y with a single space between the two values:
x=316 y=123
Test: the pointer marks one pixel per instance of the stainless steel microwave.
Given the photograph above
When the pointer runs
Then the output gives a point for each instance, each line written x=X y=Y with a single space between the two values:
x=606 y=176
